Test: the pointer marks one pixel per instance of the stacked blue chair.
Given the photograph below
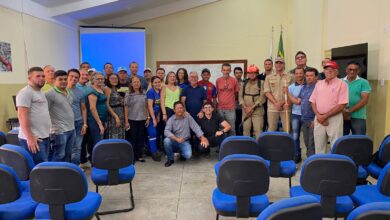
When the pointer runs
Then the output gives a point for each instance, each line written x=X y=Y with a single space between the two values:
x=331 y=178
x=62 y=192
x=278 y=149
x=359 y=148
x=371 y=211
x=374 y=193
x=236 y=145
x=113 y=164
x=12 y=137
x=383 y=157
x=20 y=161
x=15 y=204
x=2 y=138
x=242 y=184
x=296 y=208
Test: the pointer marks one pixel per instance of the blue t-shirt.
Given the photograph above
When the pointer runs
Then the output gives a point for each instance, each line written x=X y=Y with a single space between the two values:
x=306 y=109
x=183 y=85
x=294 y=89
x=155 y=96
x=194 y=99
x=77 y=98
x=86 y=89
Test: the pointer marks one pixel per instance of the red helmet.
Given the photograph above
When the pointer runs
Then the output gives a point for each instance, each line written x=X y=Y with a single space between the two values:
x=253 y=69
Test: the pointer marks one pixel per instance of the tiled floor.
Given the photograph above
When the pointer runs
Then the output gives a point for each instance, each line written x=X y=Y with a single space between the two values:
x=180 y=192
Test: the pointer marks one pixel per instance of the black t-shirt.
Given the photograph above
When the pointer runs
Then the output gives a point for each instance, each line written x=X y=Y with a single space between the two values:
x=210 y=126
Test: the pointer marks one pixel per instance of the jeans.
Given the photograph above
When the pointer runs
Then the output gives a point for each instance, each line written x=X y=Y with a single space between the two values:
x=62 y=146
x=355 y=125
x=86 y=148
x=171 y=146
x=308 y=137
x=238 y=121
x=296 y=132
x=76 y=149
x=94 y=133
x=42 y=154
x=137 y=137
x=230 y=117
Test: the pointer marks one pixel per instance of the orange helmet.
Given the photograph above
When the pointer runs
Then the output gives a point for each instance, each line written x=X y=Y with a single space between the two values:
x=253 y=69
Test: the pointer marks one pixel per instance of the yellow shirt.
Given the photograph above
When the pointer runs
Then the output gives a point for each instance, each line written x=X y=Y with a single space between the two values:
x=46 y=87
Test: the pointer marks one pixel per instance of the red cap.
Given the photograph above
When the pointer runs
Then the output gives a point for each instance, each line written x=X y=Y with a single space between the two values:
x=332 y=64
x=253 y=69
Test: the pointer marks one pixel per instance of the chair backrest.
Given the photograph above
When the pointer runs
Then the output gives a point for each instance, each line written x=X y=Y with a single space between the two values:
x=238 y=145
x=329 y=175
x=295 y=208
x=12 y=137
x=358 y=147
x=2 y=138
x=10 y=187
x=276 y=147
x=18 y=159
x=57 y=184
x=243 y=176
x=383 y=183
x=371 y=211
x=384 y=150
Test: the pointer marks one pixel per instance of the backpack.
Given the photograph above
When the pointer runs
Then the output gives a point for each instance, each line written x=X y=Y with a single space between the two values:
x=253 y=95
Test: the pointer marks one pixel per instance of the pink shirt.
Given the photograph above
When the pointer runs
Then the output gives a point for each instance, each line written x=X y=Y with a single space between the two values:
x=327 y=95
x=226 y=92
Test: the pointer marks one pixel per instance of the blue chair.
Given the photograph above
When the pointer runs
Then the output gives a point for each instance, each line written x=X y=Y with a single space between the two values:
x=242 y=182
x=297 y=208
x=359 y=148
x=12 y=137
x=371 y=211
x=374 y=193
x=61 y=189
x=20 y=161
x=113 y=164
x=278 y=149
x=2 y=138
x=15 y=204
x=330 y=178
x=375 y=167
x=236 y=145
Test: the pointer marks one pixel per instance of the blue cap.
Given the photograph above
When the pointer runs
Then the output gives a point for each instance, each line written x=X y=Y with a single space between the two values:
x=121 y=68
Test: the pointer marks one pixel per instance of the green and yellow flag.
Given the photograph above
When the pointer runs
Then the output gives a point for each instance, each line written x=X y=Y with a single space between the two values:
x=280 y=48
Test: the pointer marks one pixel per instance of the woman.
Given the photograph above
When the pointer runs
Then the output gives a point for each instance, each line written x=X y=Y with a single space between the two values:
x=170 y=94
x=136 y=117
x=156 y=127
x=96 y=108
x=115 y=127
x=182 y=78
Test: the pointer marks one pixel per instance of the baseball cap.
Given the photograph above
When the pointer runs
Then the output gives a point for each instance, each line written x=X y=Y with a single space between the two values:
x=253 y=69
x=148 y=69
x=279 y=59
x=121 y=68
x=332 y=64
x=92 y=70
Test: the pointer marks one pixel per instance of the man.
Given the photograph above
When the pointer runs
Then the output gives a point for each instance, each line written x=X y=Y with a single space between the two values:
x=85 y=66
x=294 y=90
x=62 y=118
x=300 y=61
x=329 y=98
x=134 y=72
x=238 y=75
x=268 y=66
x=359 y=91
x=227 y=89
x=177 y=134
x=34 y=116
x=213 y=126
x=80 y=114
x=148 y=76
x=123 y=80
x=194 y=96
x=108 y=69
x=322 y=74
x=251 y=99
x=308 y=115
x=211 y=90
x=48 y=70
x=273 y=90
x=160 y=73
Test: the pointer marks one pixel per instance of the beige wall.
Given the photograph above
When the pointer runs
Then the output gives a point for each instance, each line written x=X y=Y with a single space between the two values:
x=34 y=42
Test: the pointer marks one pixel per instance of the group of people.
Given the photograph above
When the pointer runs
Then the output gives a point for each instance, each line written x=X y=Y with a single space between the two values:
x=63 y=114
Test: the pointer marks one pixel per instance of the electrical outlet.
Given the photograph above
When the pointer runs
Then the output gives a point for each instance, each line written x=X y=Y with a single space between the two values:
x=382 y=82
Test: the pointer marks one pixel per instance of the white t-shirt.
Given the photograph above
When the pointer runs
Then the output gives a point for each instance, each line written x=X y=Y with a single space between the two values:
x=38 y=112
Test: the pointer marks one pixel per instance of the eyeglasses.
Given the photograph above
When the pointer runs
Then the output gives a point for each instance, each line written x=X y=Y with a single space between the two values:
x=100 y=79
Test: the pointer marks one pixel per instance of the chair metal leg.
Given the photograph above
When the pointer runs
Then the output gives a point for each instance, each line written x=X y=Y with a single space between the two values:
x=121 y=210
x=217 y=218
x=289 y=182
x=97 y=216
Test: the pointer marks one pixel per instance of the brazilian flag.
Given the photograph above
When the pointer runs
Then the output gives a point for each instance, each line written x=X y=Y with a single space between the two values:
x=280 y=48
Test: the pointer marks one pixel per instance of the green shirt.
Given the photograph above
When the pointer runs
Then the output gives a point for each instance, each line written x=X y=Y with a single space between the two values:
x=355 y=89
x=46 y=87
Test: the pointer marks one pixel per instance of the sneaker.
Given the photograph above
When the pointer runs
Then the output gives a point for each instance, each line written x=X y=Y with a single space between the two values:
x=181 y=158
x=169 y=163
x=85 y=165
x=156 y=156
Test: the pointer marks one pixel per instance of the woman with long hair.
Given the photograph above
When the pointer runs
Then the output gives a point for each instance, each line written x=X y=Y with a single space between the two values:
x=182 y=78
x=115 y=126
x=170 y=94
x=136 y=117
